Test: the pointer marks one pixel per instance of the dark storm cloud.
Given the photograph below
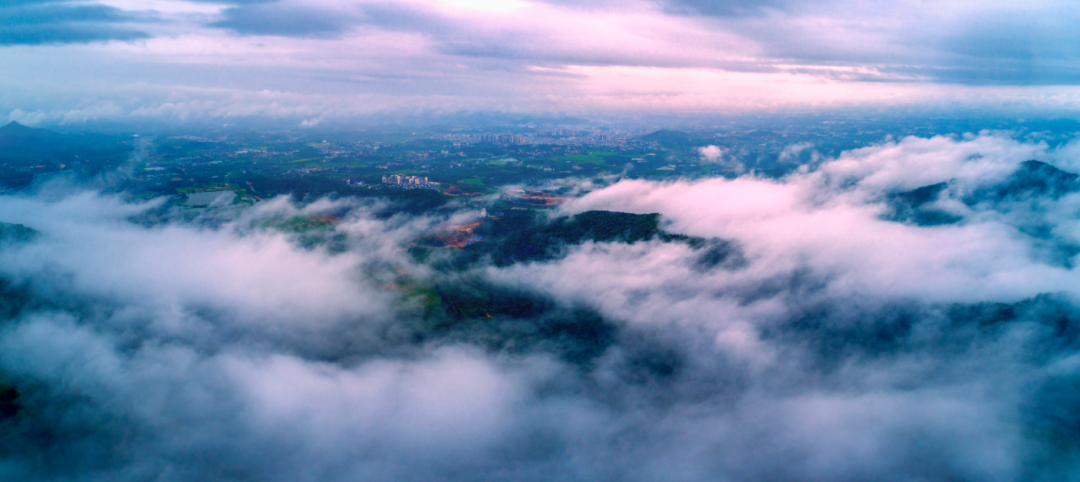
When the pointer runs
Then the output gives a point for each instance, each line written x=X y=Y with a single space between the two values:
x=60 y=22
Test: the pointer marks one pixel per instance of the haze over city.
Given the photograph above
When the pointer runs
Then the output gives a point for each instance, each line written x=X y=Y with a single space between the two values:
x=678 y=240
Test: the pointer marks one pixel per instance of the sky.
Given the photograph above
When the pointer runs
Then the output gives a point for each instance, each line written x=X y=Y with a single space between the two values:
x=67 y=61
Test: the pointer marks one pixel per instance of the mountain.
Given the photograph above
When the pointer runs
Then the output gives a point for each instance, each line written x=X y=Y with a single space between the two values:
x=1031 y=182
x=16 y=233
x=17 y=136
x=525 y=236
x=22 y=147
x=1035 y=179
x=915 y=206
x=458 y=304
x=670 y=139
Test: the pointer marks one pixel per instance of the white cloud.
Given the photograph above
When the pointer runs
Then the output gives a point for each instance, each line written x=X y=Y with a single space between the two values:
x=711 y=153
x=791 y=152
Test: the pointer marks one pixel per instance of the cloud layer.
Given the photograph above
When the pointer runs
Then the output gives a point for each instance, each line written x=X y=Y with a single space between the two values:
x=812 y=334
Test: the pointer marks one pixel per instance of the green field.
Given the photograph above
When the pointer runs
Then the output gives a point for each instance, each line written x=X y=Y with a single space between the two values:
x=474 y=181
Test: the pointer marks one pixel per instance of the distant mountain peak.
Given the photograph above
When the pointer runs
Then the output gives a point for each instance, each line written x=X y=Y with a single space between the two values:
x=15 y=127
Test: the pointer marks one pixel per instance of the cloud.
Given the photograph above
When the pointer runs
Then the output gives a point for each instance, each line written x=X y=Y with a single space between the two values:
x=62 y=22
x=791 y=153
x=285 y=19
x=711 y=153
x=562 y=56
x=835 y=40
x=828 y=220
x=721 y=8
x=253 y=281
x=803 y=334
x=719 y=155
x=347 y=59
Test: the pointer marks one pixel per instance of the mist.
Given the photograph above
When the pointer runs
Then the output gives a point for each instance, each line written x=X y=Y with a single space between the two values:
x=904 y=311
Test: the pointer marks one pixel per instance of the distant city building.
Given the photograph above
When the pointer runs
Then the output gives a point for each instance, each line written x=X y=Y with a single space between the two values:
x=408 y=182
x=503 y=138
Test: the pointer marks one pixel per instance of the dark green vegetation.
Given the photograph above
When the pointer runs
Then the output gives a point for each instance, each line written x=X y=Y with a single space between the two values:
x=460 y=306
x=1032 y=182
x=913 y=207
x=526 y=236
x=523 y=236
x=1033 y=179
x=468 y=309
